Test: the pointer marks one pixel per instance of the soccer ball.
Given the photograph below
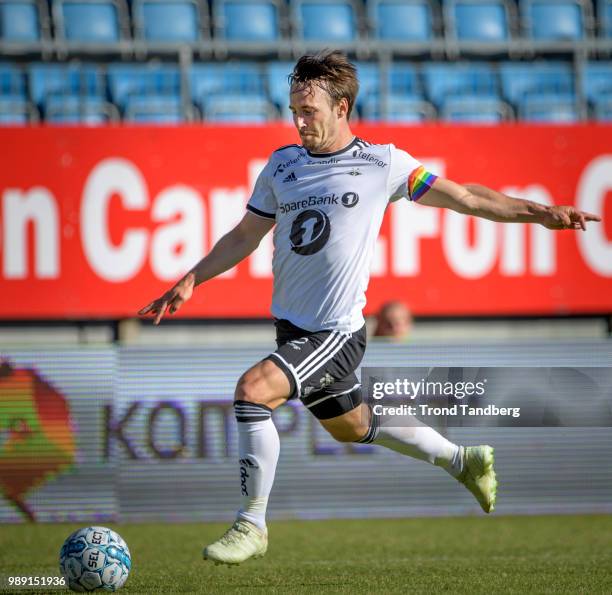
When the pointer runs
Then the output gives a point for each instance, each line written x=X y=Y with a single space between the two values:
x=95 y=558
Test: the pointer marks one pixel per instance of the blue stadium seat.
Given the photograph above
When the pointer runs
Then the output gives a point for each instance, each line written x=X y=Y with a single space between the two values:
x=154 y=109
x=14 y=111
x=78 y=110
x=398 y=109
x=443 y=80
x=237 y=79
x=521 y=79
x=166 y=21
x=597 y=81
x=475 y=110
x=368 y=74
x=277 y=74
x=553 y=20
x=247 y=20
x=403 y=81
x=47 y=80
x=325 y=20
x=604 y=12
x=557 y=109
x=238 y=109
x=603 y=110
x=12 y=81
x=401 y=20
x=597 y=89
x=478 y=20
x=127 y=81
x=87 y=21
x=19 y=21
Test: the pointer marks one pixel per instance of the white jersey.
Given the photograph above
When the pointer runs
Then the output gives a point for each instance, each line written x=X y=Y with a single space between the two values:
x=328 y=210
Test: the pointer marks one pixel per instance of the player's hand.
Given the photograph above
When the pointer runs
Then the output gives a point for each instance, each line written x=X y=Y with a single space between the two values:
x=567 y=218
x=172 y=300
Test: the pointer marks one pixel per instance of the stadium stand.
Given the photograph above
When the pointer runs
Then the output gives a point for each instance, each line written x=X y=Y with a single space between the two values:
x=19 y=21
x=605 y=18
x=520 y=80
x=401 y=20
x=332 y=21
x=100 y=22
x=143 y=92
x=239 y=109
x=398 y=109
x=554 y=108
x=403 y=80
x=64 y=81
x=155 y=109
x=369 y=84
x=465 y=79
x=16 y=111
x=478 y=20
x=250 y=21
x=73 y=109
x=12 y=81
x=476 y=109
x=407 y=56
x=166 y=21
x=555 y=20
x=597 y=89
x=603 y=110
x=276 y=74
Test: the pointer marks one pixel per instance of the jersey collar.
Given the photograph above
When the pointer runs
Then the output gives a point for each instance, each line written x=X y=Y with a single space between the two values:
x=349 y=146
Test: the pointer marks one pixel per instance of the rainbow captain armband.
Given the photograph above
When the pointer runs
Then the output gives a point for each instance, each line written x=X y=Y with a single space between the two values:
x=419 y=182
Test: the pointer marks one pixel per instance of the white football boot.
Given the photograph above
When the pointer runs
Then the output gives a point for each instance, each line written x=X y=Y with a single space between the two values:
x=241 y=541
x=478 y=475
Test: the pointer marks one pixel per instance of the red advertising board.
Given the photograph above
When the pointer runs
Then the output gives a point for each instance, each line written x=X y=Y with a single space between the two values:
x=97 y=222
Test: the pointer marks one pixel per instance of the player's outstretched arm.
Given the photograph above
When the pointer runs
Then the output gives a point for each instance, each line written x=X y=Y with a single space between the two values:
x=474 y=199
x=233 y=247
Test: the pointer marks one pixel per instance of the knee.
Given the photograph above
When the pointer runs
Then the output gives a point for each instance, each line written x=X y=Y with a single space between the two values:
x=253 y=385
x=349 y=433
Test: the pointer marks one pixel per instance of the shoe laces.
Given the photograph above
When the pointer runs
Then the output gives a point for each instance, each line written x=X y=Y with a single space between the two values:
x=233 y=534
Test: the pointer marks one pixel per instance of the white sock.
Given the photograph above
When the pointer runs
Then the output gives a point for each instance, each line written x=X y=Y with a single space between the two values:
x=258 y=450
x=418 y=441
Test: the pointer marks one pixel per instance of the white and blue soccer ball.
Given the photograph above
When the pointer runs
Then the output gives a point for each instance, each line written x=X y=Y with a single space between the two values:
x=95 y=558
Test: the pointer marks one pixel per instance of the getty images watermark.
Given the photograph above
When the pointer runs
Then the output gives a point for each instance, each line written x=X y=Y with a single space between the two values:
x=509 y=397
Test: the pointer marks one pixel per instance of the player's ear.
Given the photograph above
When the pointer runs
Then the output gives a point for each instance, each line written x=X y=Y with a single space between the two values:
x=342 y=108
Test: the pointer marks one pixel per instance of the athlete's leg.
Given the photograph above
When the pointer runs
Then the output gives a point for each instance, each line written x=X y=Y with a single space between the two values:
x=417 y=440
x=472 y=466
x=260 y=390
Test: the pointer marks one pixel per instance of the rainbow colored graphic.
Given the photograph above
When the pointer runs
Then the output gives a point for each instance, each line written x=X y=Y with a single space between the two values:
x=36 y=437
x=419 y=182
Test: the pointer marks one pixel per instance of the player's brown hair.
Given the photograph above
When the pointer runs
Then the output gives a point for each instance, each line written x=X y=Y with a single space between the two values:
x=332 y=71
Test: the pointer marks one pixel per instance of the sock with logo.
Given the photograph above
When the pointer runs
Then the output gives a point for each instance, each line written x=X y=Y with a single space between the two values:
x=418 y=441
x=258 y=449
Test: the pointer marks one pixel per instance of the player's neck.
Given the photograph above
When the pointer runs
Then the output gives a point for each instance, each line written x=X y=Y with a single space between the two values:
x=340 y=142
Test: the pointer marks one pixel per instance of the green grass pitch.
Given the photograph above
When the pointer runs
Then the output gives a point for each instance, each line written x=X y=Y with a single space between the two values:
x=528 y=554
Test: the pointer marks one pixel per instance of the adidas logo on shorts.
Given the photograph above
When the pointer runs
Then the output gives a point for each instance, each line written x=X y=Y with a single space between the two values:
x=290 y=178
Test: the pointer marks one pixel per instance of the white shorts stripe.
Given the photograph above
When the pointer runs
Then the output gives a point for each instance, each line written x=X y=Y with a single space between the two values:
x=321 y=354
x=315 y=353
x=324 y=357
x=298 y=384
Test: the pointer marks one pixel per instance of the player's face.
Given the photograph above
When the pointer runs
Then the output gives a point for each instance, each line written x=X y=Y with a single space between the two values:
x=316 y=119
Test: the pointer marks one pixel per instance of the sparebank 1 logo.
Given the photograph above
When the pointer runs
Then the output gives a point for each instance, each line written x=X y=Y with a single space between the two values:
x=36 y=437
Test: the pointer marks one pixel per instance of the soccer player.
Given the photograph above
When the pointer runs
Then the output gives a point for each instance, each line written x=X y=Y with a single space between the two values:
x=325 y=199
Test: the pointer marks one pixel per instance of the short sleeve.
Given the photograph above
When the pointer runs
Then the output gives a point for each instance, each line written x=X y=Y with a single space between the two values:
x=407 y=176
x=263 y=201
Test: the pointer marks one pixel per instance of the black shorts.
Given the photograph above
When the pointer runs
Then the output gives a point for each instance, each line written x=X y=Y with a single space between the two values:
x=321 y=367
